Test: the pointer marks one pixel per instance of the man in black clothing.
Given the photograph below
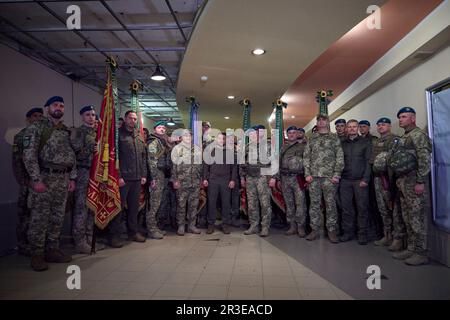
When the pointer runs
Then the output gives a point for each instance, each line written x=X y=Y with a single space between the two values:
x=220 y=176
x=354 y=184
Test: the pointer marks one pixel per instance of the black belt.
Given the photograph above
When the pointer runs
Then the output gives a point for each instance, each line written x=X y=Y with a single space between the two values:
x=53 y=170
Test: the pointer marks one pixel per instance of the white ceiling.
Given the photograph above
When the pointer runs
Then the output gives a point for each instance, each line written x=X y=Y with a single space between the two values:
x=293 y=32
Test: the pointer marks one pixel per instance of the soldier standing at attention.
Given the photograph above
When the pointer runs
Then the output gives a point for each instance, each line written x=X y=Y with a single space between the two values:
x=291 y=165
x=256 y=182
x=341 y=130
x=22 y=178
x=159 y=148
x=132 y=174
x=354 y=184
x=51 y=165
x=186 y=178
x=393 y=225
x=84 y=144
x=323 y=161
x=414 y=162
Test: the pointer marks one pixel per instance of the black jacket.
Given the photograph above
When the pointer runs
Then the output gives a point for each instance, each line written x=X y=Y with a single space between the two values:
x=132 y=155
x=357 y=154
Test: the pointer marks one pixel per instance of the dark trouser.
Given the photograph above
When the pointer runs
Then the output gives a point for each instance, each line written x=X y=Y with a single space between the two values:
x=348 y=190
x=235 y=200
x=129 y=194
x=215 y=188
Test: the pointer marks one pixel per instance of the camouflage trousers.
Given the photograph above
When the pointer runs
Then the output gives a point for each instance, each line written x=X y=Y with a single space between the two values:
x=294 y=199
x=156 y=195
x=259 y=194
x=392 y=218
x=318 y=187
x=235 y=200
x=187 y=204
x=414 y=213
x=47 y=212
x=23 y=215
x=83 y=218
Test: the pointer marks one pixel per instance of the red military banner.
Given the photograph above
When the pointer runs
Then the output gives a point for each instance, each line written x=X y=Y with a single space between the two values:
x=103 y=196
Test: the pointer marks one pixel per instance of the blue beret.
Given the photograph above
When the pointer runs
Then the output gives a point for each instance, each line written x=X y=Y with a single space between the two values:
x=159 y=123
x=404 y=110
x=367 y=123
x=86 y=108
x=301 y=129
x=384 y=120
x=34 y=110
x=291 y=128
x=258 y=126
x=54 y=99
x=339 y=121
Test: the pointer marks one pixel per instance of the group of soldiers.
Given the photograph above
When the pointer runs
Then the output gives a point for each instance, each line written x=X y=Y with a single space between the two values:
x=51 y=160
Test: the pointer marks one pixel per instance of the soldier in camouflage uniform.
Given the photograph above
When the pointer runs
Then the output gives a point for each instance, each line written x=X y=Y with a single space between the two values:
x=51 y=165
x=291 y=165
x=159 y=149
x=84 y=144
x=364 y=130
x=20 y=173
x=410 y=159
x=393 y=226
x=341 y=129
x=323 y=161
x=186 y=177
x=257 y=182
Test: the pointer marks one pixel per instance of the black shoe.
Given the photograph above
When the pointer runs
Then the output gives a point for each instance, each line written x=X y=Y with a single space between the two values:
x=345 y=237
x=115 y=242
x=225 y=229
x=362 y=239
x=210 y=229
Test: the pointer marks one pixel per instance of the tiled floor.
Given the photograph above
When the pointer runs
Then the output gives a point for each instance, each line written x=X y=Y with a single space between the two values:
x=203 y=266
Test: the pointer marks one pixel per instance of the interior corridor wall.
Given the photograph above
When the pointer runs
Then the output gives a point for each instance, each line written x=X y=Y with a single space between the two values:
x=407 y=90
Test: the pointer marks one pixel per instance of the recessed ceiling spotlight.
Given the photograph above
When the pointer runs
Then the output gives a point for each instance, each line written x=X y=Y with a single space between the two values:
x=227 y=118
x=258 y=52
x=231 y=97
x=292 y=117
x=204 y=78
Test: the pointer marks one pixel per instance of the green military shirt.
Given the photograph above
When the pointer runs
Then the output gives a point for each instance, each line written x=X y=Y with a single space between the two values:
x=382 y=144
x=83 y=143
x=187 y=165
x=56 y=153
x=19 y=170
x=323 y=156
x=419 y=143
x=291 y=158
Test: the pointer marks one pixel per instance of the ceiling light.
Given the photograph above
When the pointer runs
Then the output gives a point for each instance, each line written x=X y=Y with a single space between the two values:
x=170 y=122
x=204 y=78
x=292 y=117
x=227 y=118
x=258 y=52
x=158 y=75
x=231 y=97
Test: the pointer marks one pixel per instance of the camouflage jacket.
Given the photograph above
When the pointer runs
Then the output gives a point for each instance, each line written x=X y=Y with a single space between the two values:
x=83 y=143
x=291 y=158
x=323 y=156
x=55 y=153
x=418 y=142
x=158 y=156
x=187 y=165
x=19 y=170
x=132 y=155
x=254 y=163
x=383 y=144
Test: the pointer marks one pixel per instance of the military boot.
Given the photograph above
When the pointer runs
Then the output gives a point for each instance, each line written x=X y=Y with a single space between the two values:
x=180 y=230
x=332 y=236
x=210 y=229
x=292 y=229
x=193 y=228
x=161 y=231
x=137 y=237
x=417 y=260
x=155 y=234
x=385 y=241
x=397 y=245
x=264 y=232
x=301 y=231
x=38 y=263
x=313 y=235
x=251 y=230
x=57 y=256
x=83 y=248
x=402 y=255
x=115 y=242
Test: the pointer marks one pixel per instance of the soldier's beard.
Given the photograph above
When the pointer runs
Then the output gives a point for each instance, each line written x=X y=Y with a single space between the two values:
x=57 y=114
